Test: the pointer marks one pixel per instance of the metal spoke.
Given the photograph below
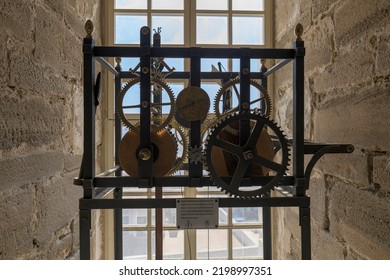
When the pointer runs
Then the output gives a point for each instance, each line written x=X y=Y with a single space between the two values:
x=239 y=174
x=227 y=146
x=254 y=136
x=131 y=106
x=258 y=160
x=161 y=104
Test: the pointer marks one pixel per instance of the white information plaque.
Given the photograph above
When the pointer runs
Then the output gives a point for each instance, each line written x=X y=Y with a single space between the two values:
x=199 y=213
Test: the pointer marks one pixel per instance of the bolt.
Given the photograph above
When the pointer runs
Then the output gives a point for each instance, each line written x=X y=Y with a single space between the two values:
x=145 y=70
x=145 y=104
x=245 y=105
x=144 y=154
x=245 y=71
x=248 y=155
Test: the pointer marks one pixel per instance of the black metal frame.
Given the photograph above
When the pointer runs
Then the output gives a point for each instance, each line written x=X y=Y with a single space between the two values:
x=96 y=186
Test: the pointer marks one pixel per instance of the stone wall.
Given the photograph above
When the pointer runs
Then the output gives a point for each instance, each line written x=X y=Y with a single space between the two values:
x=41 y=125
x=347 y=91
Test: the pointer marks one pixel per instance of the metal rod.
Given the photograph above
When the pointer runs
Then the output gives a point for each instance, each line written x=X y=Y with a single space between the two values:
x=186 y=52
x=107 y=65
x=118 y=227
x=304 y=218
x=180 y=181
x=137 y=203
x=109 y=171
x=85 y=238
x=276 y=67
x=267 y=232
x=203 y=75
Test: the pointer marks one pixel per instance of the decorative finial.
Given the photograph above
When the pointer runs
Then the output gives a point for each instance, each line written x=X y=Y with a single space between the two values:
x=299 y=31
x=262 y=61
x=89 y=28
x=158 y=31
x=118 y=61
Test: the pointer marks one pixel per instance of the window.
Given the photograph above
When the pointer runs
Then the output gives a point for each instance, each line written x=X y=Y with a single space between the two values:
x=203 y=23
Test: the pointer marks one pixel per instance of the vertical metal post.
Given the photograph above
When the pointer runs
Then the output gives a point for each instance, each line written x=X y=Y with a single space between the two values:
x=118 y=226
x=88 y=165
x=267 y=232
x=304 y=218
x=244 y=102
x=145 y=166
x=267 y=220
x=195 y=170
x=298 y=117
x=157 y=98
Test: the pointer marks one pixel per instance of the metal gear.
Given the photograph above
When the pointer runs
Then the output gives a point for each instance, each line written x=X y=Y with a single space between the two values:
x=228 y=161
x=195 y=154
x=231 y=84
x=159 y=86
x=193 y=104
x=181 y=140
x=163 y=152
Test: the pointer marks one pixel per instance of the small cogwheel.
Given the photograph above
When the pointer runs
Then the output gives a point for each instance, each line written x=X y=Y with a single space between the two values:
x=195 y=154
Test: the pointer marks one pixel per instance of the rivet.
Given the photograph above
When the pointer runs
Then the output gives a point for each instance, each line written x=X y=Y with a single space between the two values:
x=145 y=70
x=144 y=104
x=245 y=71
x=245 y=105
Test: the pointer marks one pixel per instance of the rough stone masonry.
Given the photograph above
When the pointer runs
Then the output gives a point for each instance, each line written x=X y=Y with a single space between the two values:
x=41 y=101
x=347 y=95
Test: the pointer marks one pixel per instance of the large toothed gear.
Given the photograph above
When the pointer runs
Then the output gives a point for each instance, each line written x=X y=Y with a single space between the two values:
x=260 y=104
x=181 y=138
x=265 y=153
x=159 y=87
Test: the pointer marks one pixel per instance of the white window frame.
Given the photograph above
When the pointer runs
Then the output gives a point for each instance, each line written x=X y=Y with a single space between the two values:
x=108 y=124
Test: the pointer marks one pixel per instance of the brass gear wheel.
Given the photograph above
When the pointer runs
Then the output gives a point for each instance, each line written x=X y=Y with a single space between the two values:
x=231 y=86
x=159 y=86
x=182 y=143
x=164 y=152
x=228 y=162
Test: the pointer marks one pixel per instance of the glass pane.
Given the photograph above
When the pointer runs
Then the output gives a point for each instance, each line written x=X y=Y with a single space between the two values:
x=247 y=243
x=172 y=28
x=211 y=5
x=211 y=89
x=248 y=5
x=212 y=244
x=134 y=217
x=212 y=65
x=255 y=65
x=168 y=4
x=135 y=245
x=211 y=30
x=129 y=62
x=131 y=4
x=248 y=30
x=173 y=244
x=177 y=63
x=247 y=215
x=127 y=28
x=169 y=216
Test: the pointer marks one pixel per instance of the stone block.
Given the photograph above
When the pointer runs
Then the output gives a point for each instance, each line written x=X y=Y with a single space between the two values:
x=72 y=162
x=326 y=246
x=3 y=58
x=16 y=227
x=383 y=57
x=360 y=218
x=356 y=17
x=19 y=170
x=49 y=40
x=322 y=7
x=57 y=6
x=25 y=119
x=57 y=201
x=17 y=17
x=351 y=66
x=381 y=172
x=352 y=167
x=72 y=55
x=319 y=45
x=355 y=119
x=75 y=23
x=319 y=200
